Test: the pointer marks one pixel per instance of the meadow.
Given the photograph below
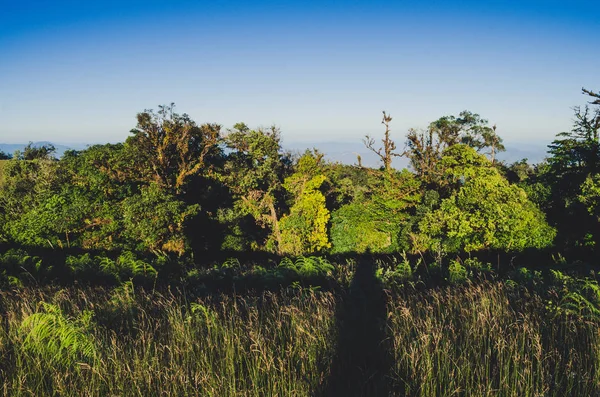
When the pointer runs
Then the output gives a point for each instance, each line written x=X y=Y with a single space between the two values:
x=371 y=331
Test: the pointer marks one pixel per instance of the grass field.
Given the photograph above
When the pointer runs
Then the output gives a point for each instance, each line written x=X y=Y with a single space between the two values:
x=484 y=339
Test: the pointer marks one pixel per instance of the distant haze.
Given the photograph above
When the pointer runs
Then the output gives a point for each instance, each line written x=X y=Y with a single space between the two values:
x=343 y=152
x=346 y=152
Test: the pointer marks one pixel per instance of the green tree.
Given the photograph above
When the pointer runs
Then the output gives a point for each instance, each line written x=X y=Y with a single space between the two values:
x=483 y=212
x=378 y=214
x=31 y=152
x=574 y=159
x=304 y=229
x=425 y=149
x=169 y=148
x=254 y=171
x=156 y=220
x=26 y=184
x=95 y=182
x=387 y=152
x=590 y=195
x=66 y=203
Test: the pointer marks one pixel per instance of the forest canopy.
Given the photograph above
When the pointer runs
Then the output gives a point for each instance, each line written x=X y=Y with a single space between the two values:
x=178 y=187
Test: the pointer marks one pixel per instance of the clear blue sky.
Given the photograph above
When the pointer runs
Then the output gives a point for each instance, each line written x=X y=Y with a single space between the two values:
x=79 y=71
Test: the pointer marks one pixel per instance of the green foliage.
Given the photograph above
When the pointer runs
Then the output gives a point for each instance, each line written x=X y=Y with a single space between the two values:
x=57 y=339
x=590 y=195
x=356 y=228
x=126 y=267
x=254 y=172
x=31 y=152
x=528 y=277
x=475 y=264
x=2 y=165
x=163 y=229
x=303 y=270
x=170 y=148
x=81 y=264
x=426 y=149
x=304 y=229
x=26 y=184
x=312 y=266
x=399 y=274
x=579 y=298
x=457 y=273
x=484 y=213
x=573 y=166
x=19 y=267
x=47 y=224
x=374 y=222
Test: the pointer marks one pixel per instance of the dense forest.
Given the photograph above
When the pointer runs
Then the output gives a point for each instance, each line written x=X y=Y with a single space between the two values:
x=194 y=260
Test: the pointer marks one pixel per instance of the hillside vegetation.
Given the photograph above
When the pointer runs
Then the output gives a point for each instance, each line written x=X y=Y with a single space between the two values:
x=2 y=164
x=190 y=260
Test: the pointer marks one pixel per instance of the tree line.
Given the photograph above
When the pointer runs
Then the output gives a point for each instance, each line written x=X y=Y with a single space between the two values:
x=177 y=187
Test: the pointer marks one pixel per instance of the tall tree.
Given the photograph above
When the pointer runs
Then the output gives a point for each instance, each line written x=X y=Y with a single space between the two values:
x=33 y=152
x=304 y=229
x=425 y=148
x=484 y=212
x=169 y=148
x=255 y=169
x=387 y=152
x=573 y=166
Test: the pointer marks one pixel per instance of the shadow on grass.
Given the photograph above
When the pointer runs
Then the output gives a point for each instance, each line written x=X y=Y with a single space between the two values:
x=363 y=357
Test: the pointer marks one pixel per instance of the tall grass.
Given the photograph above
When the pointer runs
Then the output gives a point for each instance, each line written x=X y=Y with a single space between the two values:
x=272 y=344
x=489 y=341
x=485 y=339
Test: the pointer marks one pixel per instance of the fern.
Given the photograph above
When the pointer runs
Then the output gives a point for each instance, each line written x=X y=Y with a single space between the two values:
x=127 y=266
x=200 y=312
x=457 y=273
x=308 y=266
x=575 y=304
x=231 y=263
x=108 y=266
x=128 y=263
x=58 y=339
x=79 y=264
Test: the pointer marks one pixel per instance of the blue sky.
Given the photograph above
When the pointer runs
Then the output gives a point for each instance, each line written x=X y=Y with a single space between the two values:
x=73 y=71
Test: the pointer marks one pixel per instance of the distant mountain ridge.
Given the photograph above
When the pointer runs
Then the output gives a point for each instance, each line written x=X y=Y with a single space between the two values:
x=338 y=151
x=348 y=152
x=11 y=148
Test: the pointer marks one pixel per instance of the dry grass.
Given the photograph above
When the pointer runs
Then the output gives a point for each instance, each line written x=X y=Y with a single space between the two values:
x=480 y=341
x=473 y=340
x=151 y=345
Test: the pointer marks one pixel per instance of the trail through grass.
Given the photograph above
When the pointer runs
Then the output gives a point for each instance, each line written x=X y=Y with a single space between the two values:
x=476 y=339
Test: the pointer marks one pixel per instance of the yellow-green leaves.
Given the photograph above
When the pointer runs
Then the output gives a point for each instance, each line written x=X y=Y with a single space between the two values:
x=485 y=212
x=304 y=229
